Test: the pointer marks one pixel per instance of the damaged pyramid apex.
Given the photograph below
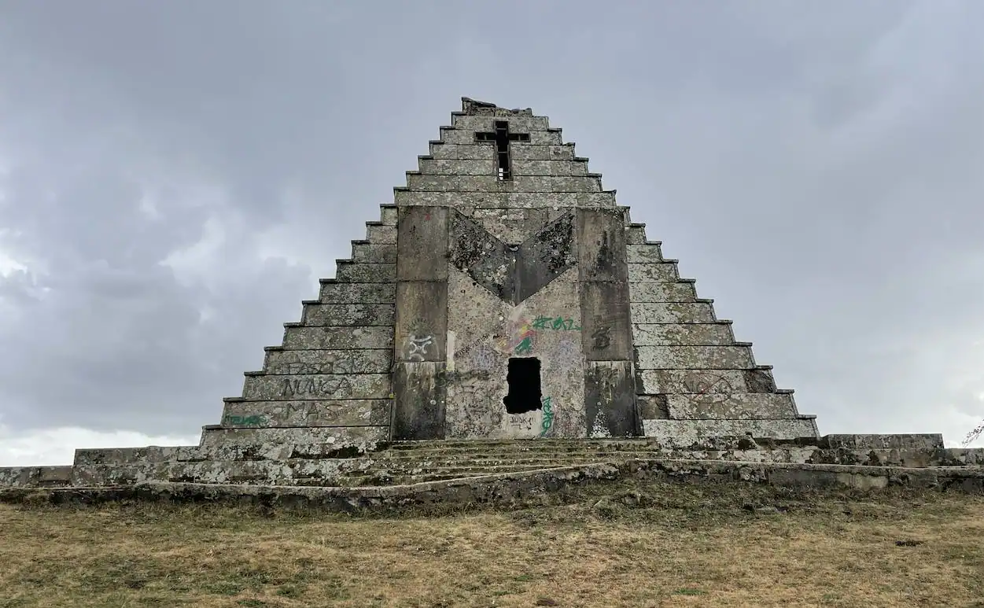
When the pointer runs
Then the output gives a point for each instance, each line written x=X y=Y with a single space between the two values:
x=503 y=299
x=473 y=107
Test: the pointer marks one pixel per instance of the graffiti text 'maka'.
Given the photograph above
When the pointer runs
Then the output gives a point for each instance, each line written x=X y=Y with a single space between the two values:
x=313 y=387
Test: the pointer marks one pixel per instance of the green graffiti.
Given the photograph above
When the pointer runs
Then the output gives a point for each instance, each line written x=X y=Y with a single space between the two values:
x=548 y=416
x=525 y=346
x=244 y=421
x=557 y=323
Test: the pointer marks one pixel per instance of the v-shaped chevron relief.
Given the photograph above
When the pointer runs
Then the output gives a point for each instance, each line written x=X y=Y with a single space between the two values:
x=512 y=272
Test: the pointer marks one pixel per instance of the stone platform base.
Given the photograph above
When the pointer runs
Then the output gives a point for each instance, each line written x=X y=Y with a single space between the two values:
x=506 y=488
x=405 y=463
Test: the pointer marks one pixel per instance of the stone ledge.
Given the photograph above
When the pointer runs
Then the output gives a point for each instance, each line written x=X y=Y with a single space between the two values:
x=930 y=441
x=329 y=464
x=507 y=487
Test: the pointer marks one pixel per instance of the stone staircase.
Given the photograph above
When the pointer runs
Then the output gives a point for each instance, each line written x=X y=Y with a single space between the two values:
x=417 y=462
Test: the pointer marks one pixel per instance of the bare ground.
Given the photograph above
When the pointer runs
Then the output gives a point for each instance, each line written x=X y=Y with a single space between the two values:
x=653 y=544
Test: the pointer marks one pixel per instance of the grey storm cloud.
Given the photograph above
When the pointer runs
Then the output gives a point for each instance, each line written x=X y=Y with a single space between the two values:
x=175 y=176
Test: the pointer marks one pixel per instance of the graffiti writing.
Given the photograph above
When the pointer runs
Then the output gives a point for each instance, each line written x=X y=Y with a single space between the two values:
x=548 y=417
x=702 y=385
x=557 y=323
x=521 y=422
x=313 y=387
x=525 y=346
x=478 y=355
x=519 y=338
x=294 y=365
x=601 y=338
x=418 y=347
x=244 y=420
x=443 y=379
x=707 y=388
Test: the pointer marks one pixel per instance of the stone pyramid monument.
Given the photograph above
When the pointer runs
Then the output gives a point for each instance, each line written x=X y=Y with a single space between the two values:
x=506 y=295
x=503 y=296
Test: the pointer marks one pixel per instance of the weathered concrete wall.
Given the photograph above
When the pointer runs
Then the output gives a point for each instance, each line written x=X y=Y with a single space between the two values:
x=486 y=332
x=421 y=323
x=609 y=385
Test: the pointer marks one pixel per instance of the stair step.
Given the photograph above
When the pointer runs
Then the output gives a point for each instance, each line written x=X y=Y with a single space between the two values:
x=492 y=463
x=518 y=457
x=464 y=471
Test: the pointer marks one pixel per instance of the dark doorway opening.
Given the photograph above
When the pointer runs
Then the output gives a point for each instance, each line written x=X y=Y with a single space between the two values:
x=524 y=385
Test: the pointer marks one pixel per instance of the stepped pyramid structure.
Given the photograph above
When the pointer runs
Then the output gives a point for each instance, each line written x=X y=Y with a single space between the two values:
x=503 y=296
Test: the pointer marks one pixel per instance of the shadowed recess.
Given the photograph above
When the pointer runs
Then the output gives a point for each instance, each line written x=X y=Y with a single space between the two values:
x=525 y=393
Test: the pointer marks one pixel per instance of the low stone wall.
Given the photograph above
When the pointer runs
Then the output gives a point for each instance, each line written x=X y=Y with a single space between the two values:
x=505 y=488
x=320 y=464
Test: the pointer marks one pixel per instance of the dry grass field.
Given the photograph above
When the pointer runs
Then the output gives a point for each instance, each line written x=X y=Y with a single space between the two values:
x=659 y=544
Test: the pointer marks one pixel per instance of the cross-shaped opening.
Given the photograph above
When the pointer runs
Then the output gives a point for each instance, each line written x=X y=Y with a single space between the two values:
x=501 y=136
x=523 y=378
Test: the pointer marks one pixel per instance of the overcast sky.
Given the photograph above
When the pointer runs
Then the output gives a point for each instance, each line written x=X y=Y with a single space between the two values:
x=175 y=177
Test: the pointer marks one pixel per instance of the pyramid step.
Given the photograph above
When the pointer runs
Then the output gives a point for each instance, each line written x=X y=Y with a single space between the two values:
x=647 y=253
x=450 y=135
x=373 y=253
x=316 y=314
x=662 y=291
x=310 y=413
x=552 y=168
x=491 y=183
x=678 y=312
x=380 y=233
x=333 y=292
x=388 y=215
x=517 y=122
x=684 y=433
x=715 y=382
x=635 y=234
x=694 y=357
x=337 y=338
x=439 y=150
x=343 y=439
x=734 y=406
x=329 y=361
x=666 y=270
x=274 y=387
x=682 y=334
x=523 y=199
x=474 y=166
x=361 y=272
